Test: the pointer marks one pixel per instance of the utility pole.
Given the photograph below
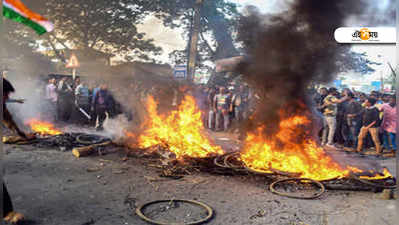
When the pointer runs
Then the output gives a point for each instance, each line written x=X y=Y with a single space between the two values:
x=195 y=29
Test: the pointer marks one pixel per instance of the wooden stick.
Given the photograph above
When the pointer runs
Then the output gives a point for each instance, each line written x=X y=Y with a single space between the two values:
x=12 y=139
x=87 y=150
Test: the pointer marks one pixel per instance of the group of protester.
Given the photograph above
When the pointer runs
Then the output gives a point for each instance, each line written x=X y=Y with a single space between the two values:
x=224 y=105
x=357 y=120
x=74 y=101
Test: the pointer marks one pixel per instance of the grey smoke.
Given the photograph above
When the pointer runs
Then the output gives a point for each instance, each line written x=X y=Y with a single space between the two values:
x=288 y=51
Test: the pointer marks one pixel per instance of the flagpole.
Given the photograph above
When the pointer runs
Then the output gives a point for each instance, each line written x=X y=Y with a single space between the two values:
x=2 y=54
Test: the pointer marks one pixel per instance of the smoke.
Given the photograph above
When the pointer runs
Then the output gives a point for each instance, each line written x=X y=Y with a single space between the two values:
x=287 y=52
x=32 y=90
x=377 y=13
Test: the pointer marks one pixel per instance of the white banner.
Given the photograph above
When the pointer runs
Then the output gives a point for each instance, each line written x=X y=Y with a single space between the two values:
x=362 y=35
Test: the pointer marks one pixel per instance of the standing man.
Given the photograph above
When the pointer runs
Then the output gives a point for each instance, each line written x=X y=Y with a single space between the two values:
x=82 y=101
x=52 y=99
x=93 y=98
x=239 y=104
x=330 y=114
x=210 y=102
x=319 y=98
x=370 y=125
x=65 y=99
x=353 y=118
x=342 y=127
x=103 y=103
x=389 y=124
x=8 y=213
x=221 y=107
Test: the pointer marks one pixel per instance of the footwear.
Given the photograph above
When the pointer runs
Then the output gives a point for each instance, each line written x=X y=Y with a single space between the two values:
x=390 y=154
x=373 y=153
x=349 y=149
x=330 y=145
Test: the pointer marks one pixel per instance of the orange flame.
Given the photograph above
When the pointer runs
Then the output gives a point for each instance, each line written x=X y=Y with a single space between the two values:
x=181 y=131
x=42 y=127
x=289 y=151
x=385 y=174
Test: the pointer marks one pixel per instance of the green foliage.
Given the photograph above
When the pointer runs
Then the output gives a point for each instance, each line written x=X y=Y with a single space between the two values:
x=218 y=21
x=356 y=62
x=102 y=25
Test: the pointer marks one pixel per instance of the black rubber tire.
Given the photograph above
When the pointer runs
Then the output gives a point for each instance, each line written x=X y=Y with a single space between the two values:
x=207 y=218
x=97 y=139
x=322 y=188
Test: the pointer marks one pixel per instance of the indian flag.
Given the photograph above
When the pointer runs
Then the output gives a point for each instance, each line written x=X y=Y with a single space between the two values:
x=17 y=11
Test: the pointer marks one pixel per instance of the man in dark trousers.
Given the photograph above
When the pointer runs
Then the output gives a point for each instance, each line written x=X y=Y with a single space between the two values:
x=65 y=99
x=103 y=103
x=8 y=213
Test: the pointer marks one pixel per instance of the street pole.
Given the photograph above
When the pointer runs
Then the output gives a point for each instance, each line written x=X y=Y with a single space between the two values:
x=194 y=41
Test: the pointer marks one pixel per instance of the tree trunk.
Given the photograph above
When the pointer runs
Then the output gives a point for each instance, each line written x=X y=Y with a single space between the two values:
x=223 y=37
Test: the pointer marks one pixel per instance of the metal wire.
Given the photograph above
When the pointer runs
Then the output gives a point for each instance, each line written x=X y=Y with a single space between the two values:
x=318 y=194
x=144 y=217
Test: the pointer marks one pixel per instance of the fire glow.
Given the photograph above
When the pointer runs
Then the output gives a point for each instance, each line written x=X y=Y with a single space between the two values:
x=181 y=131
x=288 y=152
x=42 y=127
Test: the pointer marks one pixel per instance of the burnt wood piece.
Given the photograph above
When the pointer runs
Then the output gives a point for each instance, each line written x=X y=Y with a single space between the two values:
x=87 y=150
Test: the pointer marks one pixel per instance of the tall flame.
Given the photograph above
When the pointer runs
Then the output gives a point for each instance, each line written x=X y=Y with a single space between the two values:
x=42 y=127
x=181 y=131
x=290 y=151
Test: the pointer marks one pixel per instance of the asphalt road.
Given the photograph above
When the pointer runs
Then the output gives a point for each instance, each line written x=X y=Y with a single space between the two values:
x=55 y=188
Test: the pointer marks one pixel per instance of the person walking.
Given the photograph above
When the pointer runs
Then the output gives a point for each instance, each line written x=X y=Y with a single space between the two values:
x=103 y=103
x=370 y=125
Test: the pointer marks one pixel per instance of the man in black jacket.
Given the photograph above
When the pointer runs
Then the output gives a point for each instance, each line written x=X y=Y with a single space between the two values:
x=65 y=99
x=353 y=119
x=370 y=125
x=103 y=103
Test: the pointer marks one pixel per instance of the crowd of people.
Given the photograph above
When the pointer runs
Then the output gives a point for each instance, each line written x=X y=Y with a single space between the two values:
x=356 y=120
x=223 y=106
x=351 y=119
x=74 y=101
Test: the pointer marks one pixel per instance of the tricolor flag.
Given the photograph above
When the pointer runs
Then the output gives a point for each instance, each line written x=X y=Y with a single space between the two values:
x=17 y=11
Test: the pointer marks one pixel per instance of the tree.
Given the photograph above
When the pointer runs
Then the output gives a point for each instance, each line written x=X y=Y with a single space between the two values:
x=218 y=21
x=356 y=62
x=101 y=25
